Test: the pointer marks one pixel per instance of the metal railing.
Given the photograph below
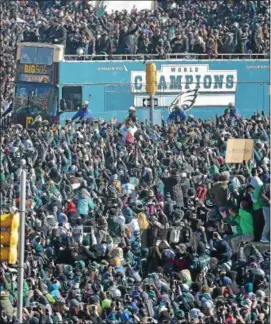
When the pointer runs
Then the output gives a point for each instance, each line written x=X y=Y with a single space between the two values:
x=171 y=56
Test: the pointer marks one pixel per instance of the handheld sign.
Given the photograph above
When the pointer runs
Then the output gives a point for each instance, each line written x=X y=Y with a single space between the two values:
x=239 y=150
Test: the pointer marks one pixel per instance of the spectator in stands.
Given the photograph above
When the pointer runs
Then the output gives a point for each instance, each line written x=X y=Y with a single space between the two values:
x=125 y=43
x=57 y=34
x=44 y=30
x=179 y=44
x=192 y=27
x=104 y=44
x=30 y=34
x=142 y=44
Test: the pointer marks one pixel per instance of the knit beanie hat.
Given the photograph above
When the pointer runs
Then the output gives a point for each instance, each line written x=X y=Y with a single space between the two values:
x=201 y=247
x=115 y=262
x=226 y=174
x=227 y=281
x=81 y=264
x=50 y=298
x=106 y=303
x=86 y=240
x=213 y=170
x=249 y=287
x=255 y=182
x=39 y=248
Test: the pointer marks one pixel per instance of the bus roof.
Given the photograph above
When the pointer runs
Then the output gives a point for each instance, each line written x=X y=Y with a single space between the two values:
x=58 y=49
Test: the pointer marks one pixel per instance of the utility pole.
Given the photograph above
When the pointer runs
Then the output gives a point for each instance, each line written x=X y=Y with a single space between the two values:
x=151 y=86
x=152 y=109
x=21 y=247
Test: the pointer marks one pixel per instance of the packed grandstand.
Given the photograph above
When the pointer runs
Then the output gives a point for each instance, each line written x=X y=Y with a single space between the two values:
x=210 y=28
x=128 y=222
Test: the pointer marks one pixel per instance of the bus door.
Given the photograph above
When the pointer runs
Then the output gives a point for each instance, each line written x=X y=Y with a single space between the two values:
x=71 y=99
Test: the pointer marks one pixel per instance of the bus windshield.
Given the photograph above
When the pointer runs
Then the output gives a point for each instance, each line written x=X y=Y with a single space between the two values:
x=37 y=55
x=34 y=99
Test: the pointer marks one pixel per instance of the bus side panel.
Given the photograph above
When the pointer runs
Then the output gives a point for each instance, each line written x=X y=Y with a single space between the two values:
x=116 y=85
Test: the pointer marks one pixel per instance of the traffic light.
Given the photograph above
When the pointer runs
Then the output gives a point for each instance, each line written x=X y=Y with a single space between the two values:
x=9 y=237
x=151 y=78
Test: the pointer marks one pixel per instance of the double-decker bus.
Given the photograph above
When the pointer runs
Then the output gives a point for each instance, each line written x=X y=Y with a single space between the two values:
x=37 y=82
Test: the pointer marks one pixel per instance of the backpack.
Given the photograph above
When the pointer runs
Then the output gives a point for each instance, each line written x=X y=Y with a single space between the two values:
x=201 y=192
x=175 y=234
x=129 y=139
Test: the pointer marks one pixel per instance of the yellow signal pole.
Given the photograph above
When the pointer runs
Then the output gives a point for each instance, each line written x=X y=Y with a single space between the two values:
x=151 y=85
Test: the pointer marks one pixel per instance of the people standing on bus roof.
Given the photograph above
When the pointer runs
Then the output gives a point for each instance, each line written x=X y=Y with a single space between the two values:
x=83 y=113
x=29 y=35
x=44 y=30
x=57 y=33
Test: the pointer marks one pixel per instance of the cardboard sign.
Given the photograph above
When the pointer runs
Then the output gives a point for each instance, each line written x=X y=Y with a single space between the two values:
x=239 y=150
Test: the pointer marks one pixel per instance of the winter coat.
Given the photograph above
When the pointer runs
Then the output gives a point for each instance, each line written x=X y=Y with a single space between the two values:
x=85 y=203
x=246 y=222
x=104 y=45
x=82 y=114
x=223 y=251
x=71 y=208
x=115 y=223
x=6 y=304
x=173 y=186
x=162 y=231
x=125 y=40
x=59 y=33
x=219 y=192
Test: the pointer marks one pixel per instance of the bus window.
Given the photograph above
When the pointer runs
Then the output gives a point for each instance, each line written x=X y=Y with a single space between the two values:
x=27 y=55
x=37 y=55
x=71 y=98
x=33 y=99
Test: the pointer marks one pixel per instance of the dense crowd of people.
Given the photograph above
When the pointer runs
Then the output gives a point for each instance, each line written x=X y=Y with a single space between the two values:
x=131 y=223
x=186 y=26
x=127 y=222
